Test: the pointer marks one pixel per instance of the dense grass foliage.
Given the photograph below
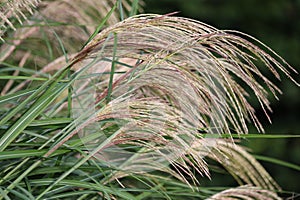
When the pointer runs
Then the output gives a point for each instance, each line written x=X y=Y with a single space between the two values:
x=100 y=103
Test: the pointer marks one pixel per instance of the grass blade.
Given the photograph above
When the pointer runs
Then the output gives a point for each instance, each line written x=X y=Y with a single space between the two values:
x=101 y=24
x=278 y=162
x=112 y=71
x=11 y=97
x=134 y=7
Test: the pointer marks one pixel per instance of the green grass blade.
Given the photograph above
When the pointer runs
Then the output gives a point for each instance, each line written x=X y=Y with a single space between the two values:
x=277 y=162
x=47 y=42
x=11 y=97
x=24 y=195
x=12 y=68
x=121 y=10
x=112 y=71
x=101 y=24
x=134 y=7
x=27 y=153
x=4 y=195
x=60 y=42
x=71 y=194
x=53 y=121
x=82 y=184
x=22 y=78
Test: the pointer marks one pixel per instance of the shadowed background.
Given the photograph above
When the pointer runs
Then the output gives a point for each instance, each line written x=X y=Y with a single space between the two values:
x=276 y=23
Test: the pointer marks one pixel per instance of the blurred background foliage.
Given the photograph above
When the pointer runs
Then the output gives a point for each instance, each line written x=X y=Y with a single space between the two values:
x=277 y=24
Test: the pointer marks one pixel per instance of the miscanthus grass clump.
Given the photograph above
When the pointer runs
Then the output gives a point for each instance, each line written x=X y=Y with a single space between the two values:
x=138 y=113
